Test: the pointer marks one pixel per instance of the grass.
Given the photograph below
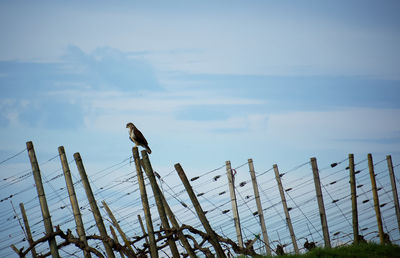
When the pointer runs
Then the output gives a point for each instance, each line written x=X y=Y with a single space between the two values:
x=359 y=251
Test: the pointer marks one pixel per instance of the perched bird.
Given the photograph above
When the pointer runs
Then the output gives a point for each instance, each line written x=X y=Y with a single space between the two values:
x=279 y=250
x=137 y=137
x=309 y=245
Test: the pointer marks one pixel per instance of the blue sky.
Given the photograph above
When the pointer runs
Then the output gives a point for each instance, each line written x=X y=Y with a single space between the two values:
x=278 y=78
x=276 y=81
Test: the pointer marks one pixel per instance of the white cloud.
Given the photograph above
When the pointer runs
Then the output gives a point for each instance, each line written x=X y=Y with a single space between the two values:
x=260 y=40
x=106 y=109
x=337 y=129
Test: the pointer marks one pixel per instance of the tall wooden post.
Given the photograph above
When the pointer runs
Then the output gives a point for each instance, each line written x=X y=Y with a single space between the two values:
x=376 y=198
x=259 y=207
x=145 y=203
x=74 y=202
x=175 y=224
x=93 y=205
x=27 y=229
x=285 y=208
x=203 y=219
x=143 y=230
x=321 y=206
x=235 y=211
x=160 y=206
x=353 y=198
x=115 y=237
x=394 y=189
x=165 y=205
x=120 y=231
x=42 y=199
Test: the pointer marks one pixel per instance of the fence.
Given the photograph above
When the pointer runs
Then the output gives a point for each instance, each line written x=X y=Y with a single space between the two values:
x=224 y=211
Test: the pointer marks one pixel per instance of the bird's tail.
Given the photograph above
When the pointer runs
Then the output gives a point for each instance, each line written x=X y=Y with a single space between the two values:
x=148 y=149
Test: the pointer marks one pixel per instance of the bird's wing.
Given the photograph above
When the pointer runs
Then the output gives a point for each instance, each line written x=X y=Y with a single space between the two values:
x=131 y=135
x=140 y=138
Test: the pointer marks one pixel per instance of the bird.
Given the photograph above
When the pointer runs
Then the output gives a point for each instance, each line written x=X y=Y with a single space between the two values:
x=137 y=137
x=309 y=245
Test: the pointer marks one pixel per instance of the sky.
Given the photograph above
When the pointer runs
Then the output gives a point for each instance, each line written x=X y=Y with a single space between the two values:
x=205 y=82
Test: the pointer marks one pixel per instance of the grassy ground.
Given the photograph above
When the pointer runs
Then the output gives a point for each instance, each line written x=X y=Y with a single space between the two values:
x=362 y=250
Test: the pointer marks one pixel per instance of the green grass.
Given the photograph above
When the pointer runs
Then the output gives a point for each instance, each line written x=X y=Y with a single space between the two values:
x=362 y=250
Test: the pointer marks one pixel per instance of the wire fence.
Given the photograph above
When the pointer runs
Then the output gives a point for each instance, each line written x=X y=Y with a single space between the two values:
x=117 y=184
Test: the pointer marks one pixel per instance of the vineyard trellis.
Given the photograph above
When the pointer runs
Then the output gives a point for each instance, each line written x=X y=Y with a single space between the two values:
x=350 y=202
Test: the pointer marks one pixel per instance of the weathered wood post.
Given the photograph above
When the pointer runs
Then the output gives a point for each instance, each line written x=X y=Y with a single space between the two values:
x=353 y=198
x=27 y=229
x=259 y=207
x=235 y=211
x=203 y=219
x=175 y=224
x=93 y=205
x=394 y=189
x=74 y=202
x=321 y=206
x=285 y=208
x=115 y=237
x=160 y=206
x=145 y=203
x=376 y=198
x=42 y=199
x=166 y=207
x=120 y=231
x=143 y=229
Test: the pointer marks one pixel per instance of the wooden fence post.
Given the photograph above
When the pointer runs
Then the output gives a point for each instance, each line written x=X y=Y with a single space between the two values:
x=394 y=189
x=160 y=206
x=203 y=219
x=93 y=205
x=285 y=209
x=376 y=198
x=27 y=229
x=145 y=203
x=321 y=206
x=42 y=199
x=168 y=210
x=353 y=198
x=115 y=223
x=175 y=224
x=235 y=211
x=74 y=202
x=259 y=207
x=115 y=237
x=143 y=229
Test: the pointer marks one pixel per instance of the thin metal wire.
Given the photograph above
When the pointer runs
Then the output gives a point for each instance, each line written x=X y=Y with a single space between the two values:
x=13 y=156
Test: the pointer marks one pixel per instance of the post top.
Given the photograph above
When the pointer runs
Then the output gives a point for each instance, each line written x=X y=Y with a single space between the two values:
x=135 y=151
x=144 y=153
x=29 y=145
x=77 y=156
x=61 y=149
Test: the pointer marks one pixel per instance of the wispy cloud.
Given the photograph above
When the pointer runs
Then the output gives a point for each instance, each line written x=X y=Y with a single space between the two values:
x=327 y=129
x=36 y=93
